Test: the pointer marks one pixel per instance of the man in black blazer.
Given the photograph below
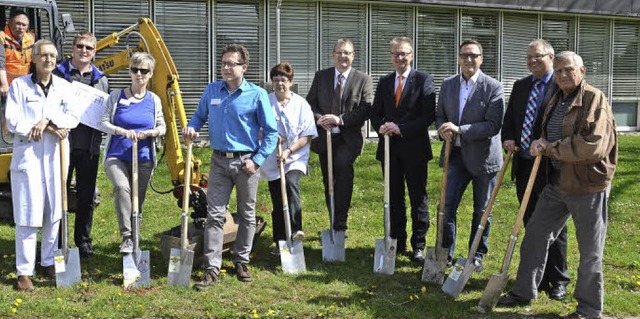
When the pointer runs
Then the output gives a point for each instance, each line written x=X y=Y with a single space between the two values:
x=404 y=107
x=540 y=62
x=469 y=114
x=340 y=98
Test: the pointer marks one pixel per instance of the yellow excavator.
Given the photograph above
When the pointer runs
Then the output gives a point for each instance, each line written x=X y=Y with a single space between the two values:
x=142 y=36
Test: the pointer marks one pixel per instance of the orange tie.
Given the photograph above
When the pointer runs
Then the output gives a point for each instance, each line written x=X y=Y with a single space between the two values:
x=399 y=90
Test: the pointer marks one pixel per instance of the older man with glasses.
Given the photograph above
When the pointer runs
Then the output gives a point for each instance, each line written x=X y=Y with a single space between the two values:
x=85 y=141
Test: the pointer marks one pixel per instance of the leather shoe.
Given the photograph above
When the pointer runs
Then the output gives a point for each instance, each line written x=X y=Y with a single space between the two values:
x=477 y=262
x=418 y=256
x=86 y=250
x=512 y=300
x=24 y=283
x=577 y=315
x=557 y=292
x=50 y=272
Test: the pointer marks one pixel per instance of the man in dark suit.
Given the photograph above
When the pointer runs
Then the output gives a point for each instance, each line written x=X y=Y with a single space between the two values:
x=404 y=107
x=469 y=114
x=522 y=125
x=340 y=98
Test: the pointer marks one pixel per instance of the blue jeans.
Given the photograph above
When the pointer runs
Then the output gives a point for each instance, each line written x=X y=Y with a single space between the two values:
x=457 y=180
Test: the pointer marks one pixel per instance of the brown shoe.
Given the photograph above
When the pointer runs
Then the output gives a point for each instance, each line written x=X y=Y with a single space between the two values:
x=50 y=272
x=24 y=284
x=209 y=277
x=243 y=272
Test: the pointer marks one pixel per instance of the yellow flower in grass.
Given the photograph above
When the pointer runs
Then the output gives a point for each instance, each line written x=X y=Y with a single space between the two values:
x=19 y=300
x=14 y=310
x=423 y=289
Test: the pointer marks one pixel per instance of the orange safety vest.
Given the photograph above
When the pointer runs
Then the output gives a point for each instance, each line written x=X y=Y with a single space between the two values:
x=18 y=55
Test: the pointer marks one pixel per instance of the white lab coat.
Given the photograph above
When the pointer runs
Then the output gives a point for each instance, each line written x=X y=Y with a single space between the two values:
x=35 y=166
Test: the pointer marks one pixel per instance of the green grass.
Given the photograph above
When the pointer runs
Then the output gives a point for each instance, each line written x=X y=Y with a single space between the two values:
x=329 y=290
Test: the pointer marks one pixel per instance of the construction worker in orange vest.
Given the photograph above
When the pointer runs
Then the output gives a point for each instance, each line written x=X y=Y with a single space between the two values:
x=18 y=43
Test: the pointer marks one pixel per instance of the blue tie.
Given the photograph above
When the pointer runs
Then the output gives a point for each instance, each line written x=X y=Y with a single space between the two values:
x=529 y=115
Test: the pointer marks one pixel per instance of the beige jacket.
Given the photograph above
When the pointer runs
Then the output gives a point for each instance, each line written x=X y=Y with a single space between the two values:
x=588 y=149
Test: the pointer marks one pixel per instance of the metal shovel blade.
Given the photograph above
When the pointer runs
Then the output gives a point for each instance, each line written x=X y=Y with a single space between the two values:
x=67 y=267
x=384 y=259
x=435 y=264
x=180 y=266
x=292 y=256
x=492 y=292
x=333 y=245
x=458 y=277
x=136 y=270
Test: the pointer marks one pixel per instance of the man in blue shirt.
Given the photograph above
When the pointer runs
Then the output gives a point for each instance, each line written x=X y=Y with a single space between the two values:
x=236 y=111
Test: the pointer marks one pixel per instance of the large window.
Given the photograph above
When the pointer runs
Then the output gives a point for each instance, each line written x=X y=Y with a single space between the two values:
x=387 y=22
x=594 y=46
x=519 y=29
x=344 y=20
x=437 y=43
x=626 y=59
x=483 y=27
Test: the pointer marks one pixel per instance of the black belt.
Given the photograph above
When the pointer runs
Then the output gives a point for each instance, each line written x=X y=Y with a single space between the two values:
x=230 y=154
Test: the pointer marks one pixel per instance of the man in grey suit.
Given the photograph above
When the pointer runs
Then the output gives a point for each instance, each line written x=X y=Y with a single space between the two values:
x=469 y=114
x=522 y=125
x=340 y=98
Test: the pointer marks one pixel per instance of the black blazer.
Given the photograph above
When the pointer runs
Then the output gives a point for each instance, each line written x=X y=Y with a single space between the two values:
x=357 y=97
x=514 y=116
x=415 y=112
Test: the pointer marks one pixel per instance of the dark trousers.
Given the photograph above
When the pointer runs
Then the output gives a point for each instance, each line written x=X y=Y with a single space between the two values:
x=292 y=184
x=556 y=269
x=86 y=169
x=412 y=169
x=458 y=179
x=343 y=158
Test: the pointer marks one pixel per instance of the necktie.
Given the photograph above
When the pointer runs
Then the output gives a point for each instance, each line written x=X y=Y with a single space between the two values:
x=399 y=90
x=529 y=115
x=336 y=105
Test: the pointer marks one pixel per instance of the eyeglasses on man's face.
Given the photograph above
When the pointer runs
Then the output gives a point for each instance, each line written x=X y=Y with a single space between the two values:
x=229 y=64
x=399 y=54
x=82 y=46
x=473 y=56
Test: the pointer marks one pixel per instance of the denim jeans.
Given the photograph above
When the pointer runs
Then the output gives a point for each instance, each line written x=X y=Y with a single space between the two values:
x=458 y=178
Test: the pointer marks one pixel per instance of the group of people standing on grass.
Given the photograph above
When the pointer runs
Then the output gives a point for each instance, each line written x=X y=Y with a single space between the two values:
x=552 y=113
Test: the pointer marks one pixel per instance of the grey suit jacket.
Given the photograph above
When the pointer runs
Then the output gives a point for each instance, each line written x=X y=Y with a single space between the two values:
x=480 y=122
x=357 y=98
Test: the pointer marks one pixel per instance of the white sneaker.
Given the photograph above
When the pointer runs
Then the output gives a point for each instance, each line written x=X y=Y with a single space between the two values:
x=127 y=246
x=299 y=235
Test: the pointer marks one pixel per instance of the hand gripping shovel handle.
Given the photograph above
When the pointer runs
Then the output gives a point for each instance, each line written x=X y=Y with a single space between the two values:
x=184 y=241
x=63 y=183
x=283 y=191
x=330 y=184
x=519 y=219
x=487 y=211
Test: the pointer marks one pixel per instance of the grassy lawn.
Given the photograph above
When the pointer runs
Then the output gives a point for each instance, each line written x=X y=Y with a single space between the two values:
x=342 y=290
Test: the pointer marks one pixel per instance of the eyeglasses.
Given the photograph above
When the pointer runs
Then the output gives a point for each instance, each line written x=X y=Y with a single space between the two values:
x=566 y=70
x=227 y=64
x=280 y=80
x=401 y=54
x=343 y=53
x=473 y=56
x=142 y=71
x=82 y=46
x=536 y=56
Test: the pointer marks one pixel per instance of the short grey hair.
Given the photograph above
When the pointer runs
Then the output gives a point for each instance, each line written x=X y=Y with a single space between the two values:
x=139 y=58
x=398 y=40
x=343 y=41
x=569 y=56
x=548 y=48
x=38 y=45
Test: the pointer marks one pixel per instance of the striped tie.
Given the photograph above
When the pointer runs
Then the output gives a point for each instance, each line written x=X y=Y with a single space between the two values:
x=529 y=116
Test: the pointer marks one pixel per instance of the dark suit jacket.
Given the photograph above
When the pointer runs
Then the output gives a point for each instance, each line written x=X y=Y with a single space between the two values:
x=480 y=122
x=414 y=114
x=514 y=116
x=357 y=97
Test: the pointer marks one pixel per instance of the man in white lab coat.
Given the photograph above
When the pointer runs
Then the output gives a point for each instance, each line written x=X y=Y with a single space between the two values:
x=37 y=114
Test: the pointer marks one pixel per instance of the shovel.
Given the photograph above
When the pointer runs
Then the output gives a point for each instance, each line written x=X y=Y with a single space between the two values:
x=136 y=269
x=332 y=240
x=463 y=268
x=66 y=260
x=384 y=260
x=496 y=284
x=181 y=259
x=291 y=251
x=435 y=263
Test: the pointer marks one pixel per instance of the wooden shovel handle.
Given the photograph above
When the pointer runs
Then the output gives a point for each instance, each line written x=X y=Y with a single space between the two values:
x=134 y=176
x=527 y=195
x=445 y=172
x=187 y=177
x=63 y=175
x=283 y=181
x=329 y=162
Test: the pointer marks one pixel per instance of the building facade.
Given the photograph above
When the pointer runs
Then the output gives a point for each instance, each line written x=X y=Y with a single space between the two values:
x=604 y=33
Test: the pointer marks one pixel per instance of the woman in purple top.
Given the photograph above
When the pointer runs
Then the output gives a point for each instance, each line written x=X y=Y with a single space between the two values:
x=132 y=114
